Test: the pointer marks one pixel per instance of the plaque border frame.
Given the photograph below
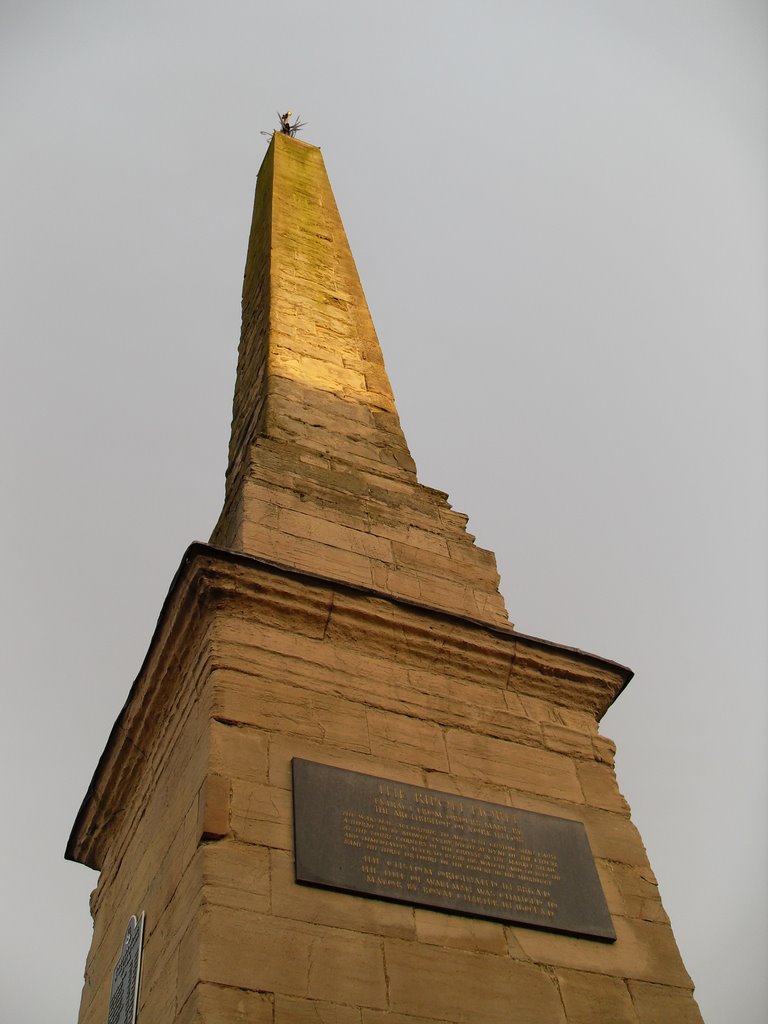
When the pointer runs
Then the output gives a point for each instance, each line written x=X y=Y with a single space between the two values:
x=603 y=936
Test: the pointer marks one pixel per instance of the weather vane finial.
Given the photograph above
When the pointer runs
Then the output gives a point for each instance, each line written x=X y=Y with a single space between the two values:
x=285 y=124
x=286 y=128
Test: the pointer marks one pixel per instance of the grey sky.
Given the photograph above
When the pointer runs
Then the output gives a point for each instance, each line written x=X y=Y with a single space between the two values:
x=558 y=212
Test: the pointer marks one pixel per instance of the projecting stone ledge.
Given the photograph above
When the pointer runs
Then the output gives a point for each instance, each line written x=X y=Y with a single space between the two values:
x=447 y=672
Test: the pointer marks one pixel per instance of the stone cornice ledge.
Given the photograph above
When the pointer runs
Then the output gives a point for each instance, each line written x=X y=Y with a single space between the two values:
x=210 y=577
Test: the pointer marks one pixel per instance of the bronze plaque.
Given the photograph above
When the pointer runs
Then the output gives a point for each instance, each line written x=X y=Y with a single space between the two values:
x=371 y=836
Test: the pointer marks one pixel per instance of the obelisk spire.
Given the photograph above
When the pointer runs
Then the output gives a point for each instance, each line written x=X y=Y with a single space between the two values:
x=320 y=477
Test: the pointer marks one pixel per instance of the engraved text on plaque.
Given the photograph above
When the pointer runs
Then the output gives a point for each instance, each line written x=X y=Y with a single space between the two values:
x=388 y=839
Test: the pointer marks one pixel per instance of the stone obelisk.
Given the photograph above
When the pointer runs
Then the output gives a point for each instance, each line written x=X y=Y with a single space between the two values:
x=343 y=627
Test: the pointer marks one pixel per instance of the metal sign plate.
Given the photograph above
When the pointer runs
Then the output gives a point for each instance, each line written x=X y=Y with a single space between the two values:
x=124 y=995
x=375 y=837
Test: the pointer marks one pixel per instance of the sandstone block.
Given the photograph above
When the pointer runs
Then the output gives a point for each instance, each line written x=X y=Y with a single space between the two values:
x=514 y=701
x=613 y=837
x=160 y=958
x=158 y=1001
x=489 y=607
x=539 y=710
x=556 y=676
x=643 y=951
x=458 y=932
x=312 y=556
x=341 y=670
x=323 y=374
x=605 y=750
x=94 y=1003
x=380 y=484
x=452 y=595
x=214 y=1004
x=188 y=971
x=283 y=748
x=335 y=909
x=346 y=513
x=580 y=721
x=276 y=706
x=638 y=890
x=305 y=344
x=263 y=513
x=507 y=726
x=613 y=896
x=147 y=879
x=274 y=601
x=310 y=1011
x=278 y=653
x=386 y=578
x=263 y=953
x=598 y=783
x=463 y=550
x=320 y=529
x=236 y=875
x=407 y=739
x=567 y=741
x=459 y=701
x=261 y=814
x=512 y=764
x=427 y=540
x=405 y=636
x=390 y=1017
x=467 y=986
x=514 y=948
x=167 y=874
x=595 y=998
x=213 y=808
x=652 y=910
x=473 y=571
x=324 y=413
x=474 y=788
x=661 y=1004
x=237 y=752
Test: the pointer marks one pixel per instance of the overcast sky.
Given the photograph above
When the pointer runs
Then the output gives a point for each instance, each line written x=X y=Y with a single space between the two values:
x=558 y=211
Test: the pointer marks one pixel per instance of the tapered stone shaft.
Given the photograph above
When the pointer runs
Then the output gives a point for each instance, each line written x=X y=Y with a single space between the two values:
x=320 y=477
